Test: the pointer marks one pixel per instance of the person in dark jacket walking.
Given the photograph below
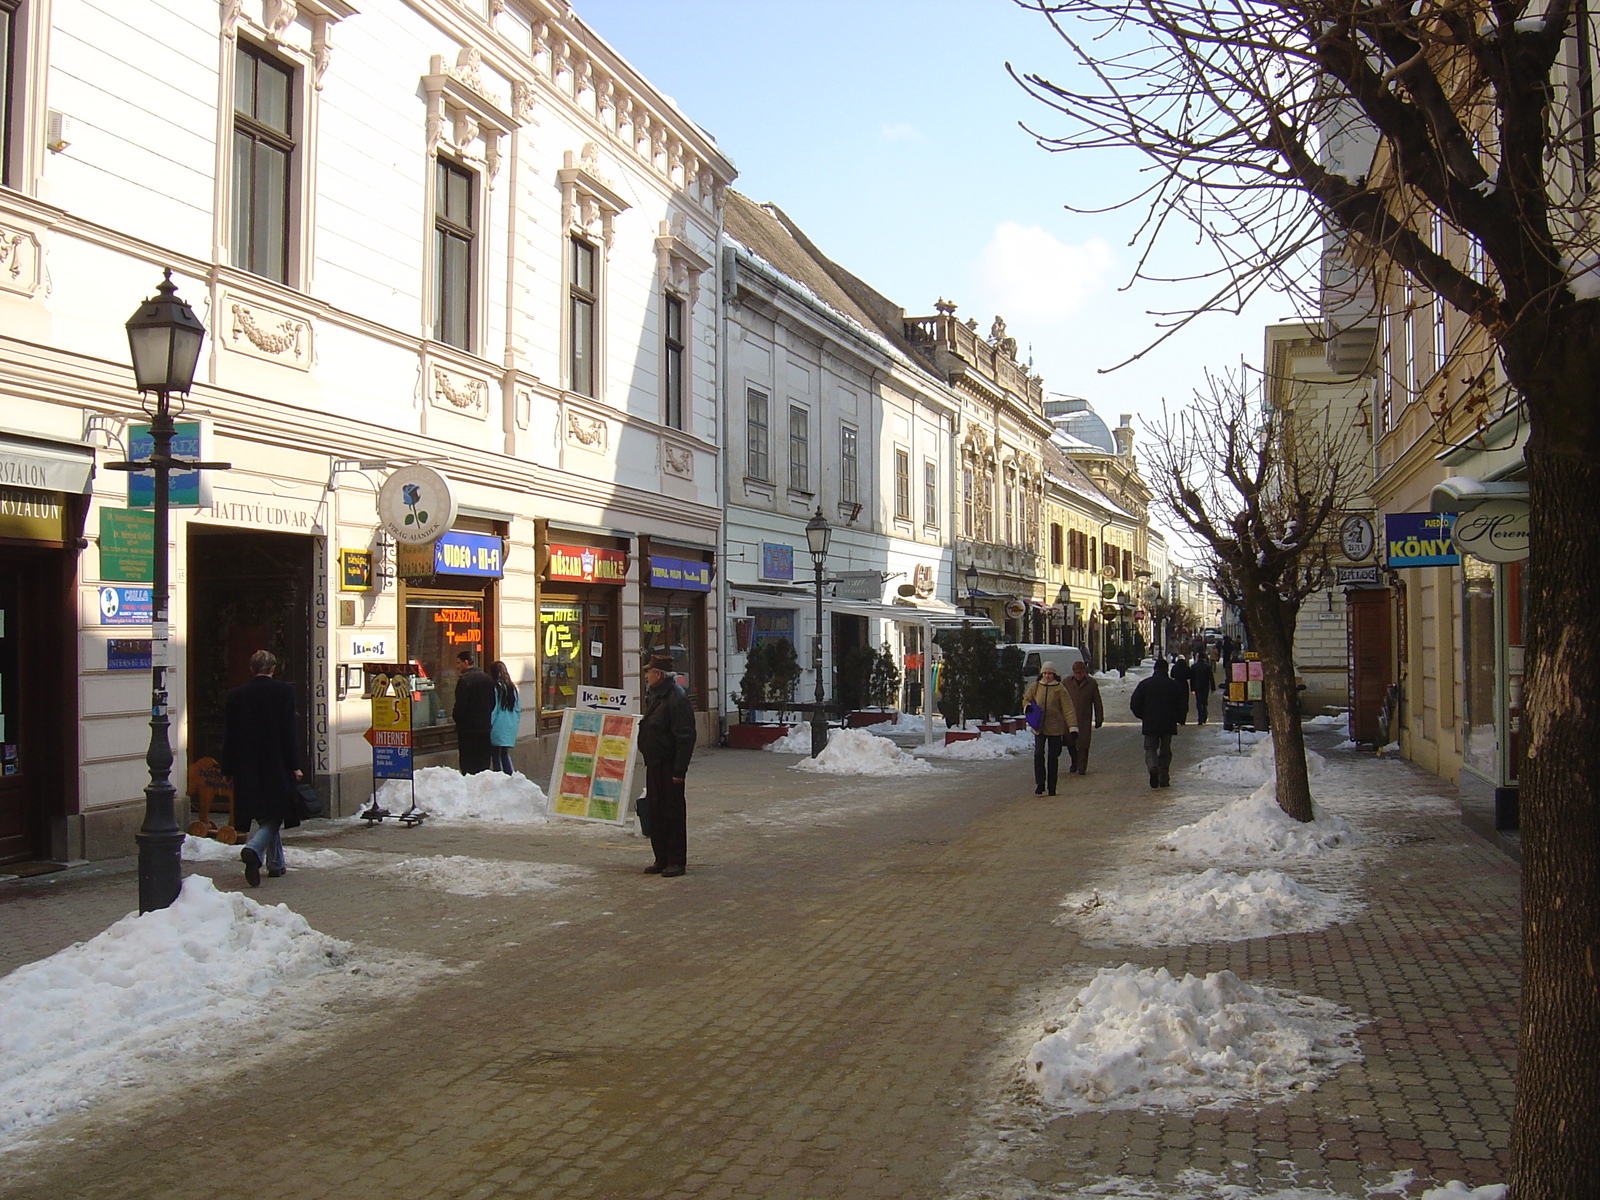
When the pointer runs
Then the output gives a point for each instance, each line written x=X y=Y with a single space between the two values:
x=1202 y=682
x=1180 y=673
x=1157 y=702
x=261 y=762
x=666 y=740
x=473 y=713
x=1089 y=712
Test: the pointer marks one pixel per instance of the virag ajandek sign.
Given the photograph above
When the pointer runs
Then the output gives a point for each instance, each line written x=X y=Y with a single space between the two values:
x=1419 y=540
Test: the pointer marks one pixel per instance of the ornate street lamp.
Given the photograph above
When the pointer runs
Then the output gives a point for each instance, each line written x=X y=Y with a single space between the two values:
x=818 y=534
x=164 y=339
x=971 y=576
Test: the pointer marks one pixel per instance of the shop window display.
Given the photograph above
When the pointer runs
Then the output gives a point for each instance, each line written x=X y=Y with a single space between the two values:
x=674 y=631
x=573 y=636
x=436 y=631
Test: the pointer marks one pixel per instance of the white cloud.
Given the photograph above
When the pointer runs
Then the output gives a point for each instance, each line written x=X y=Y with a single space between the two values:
x=900 y=132
x=1026 y=273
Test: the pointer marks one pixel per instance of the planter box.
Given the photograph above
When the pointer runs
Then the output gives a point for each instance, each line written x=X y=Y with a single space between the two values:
x=1011 y=724
x=959 y=735
x=747 y=736
x=989 y=727
x=875 y=716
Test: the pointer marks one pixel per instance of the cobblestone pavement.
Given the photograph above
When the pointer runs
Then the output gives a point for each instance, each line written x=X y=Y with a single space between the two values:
x=833 y=1003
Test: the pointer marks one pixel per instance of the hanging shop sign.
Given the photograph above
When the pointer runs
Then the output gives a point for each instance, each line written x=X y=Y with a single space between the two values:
x=593 y=775
x=1419 y=540
x=476 y=554
x=1015 y=608
x=33 y=516
x=679 y=575
x=355 y=570
x=127 y=545
x=185 y=489
x=586 y=564
x=415 y=505
x=1356 y=538
x=777 y=562
x=1496 y=531
x=1108 y=591
x=1356 y=577
x=922 y=580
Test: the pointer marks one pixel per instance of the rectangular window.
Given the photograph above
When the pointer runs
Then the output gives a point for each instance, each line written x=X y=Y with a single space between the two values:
x=672 y=354
x=930 y=494
x=583 y=312
x=1055 y=544
x=1010 y=495
x=1092 y=566
x=799 y=449
x=849 y=465
x=755 y=435
x=453 y=253
x=902 y=486
x=10 y=82
x=966 y=501
x=263 y=155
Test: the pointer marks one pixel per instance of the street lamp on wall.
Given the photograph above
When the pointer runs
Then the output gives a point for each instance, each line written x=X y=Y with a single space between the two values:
x=971 y=577
x=164 y=338
x=818 y=534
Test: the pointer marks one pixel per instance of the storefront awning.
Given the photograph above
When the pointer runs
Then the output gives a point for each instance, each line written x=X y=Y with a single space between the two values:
x=1463 y=493
x=45 y=465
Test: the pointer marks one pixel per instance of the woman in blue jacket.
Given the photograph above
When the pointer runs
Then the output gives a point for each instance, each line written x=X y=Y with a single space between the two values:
x=507 y=716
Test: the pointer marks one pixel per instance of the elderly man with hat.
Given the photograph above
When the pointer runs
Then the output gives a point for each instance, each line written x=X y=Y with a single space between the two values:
x=666 y=739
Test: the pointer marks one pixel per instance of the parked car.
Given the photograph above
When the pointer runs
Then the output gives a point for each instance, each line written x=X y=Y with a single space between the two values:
x=1034 y=653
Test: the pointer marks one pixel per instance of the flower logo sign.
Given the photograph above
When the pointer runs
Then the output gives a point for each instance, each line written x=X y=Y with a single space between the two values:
x=415 y=505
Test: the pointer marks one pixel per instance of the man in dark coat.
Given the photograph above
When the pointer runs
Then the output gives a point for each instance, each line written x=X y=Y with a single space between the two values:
x=666 y=740
x=473 y=713
x=261 y=761
x=1084 y=693
x=1157 y=702
x=1202 y=681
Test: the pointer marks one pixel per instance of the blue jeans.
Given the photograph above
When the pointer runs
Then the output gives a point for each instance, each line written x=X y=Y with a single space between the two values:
x=500 y=759
x=267 y=844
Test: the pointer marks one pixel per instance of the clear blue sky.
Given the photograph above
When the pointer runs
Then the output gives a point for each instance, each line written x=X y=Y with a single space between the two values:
x=889 y=130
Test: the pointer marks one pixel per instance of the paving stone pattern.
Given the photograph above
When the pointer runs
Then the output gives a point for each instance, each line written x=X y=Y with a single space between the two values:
x=831 y=1004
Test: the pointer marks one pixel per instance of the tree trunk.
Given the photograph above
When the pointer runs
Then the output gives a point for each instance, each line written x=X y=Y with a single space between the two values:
x=1555 y=1140
x=1272 y=624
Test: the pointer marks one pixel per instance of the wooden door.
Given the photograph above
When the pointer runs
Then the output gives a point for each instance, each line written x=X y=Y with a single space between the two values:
x=1371 y=659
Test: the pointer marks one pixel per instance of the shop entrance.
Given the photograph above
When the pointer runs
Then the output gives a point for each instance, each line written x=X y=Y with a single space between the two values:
x=37 y=711
x=247 y=591
x=1371 y=656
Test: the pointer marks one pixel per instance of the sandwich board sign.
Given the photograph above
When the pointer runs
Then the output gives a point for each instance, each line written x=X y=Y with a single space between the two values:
x=593 y=775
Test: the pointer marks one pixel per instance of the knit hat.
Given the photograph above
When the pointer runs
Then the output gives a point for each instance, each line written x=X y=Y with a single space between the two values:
x=660 y=662
x=1051 y=667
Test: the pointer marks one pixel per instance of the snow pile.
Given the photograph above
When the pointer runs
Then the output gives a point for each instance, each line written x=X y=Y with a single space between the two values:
x=796 y=741
x=1139 y=1038
x=1456 y=1190
x=1254 y=824
x=853 y=752
x=984 y=746
x=1327 y=721
x=209 y=850
x=462 y=875
x=1214 y=906
x=151 y=991
x=1255 y=768
x=446 y=794
x=889 y=724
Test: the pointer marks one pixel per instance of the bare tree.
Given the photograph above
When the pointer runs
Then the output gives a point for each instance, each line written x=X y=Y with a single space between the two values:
x=1262 y=491
x=1483 y=117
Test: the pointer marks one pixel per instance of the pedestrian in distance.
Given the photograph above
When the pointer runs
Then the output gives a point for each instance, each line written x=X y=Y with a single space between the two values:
x=262 y=764
x=1180 y=672
x=473 y=713
x=1157 y=701
x=666 y=740
x=1088 y=714
x=504 y=720
x=1202 y=682
x=1057 y=724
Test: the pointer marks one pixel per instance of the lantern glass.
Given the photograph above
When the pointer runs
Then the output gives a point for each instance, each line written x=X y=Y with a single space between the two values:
x=818 y=534
x=164 y=338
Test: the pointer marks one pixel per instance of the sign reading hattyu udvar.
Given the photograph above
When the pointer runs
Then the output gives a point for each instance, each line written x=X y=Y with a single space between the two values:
x=586 y=564
x=1419 y=540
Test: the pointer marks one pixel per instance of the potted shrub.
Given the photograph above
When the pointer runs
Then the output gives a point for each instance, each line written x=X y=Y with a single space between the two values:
x=771 y=670
x=878 y=680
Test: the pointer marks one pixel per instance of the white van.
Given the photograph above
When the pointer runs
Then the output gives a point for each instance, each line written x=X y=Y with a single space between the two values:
x=1034 y=653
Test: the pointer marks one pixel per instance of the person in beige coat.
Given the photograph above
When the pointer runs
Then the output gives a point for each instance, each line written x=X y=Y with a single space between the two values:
x=1057 y=723
x=1088 y=713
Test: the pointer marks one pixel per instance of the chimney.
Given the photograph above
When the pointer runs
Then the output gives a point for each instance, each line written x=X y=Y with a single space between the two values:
x=1124 y=435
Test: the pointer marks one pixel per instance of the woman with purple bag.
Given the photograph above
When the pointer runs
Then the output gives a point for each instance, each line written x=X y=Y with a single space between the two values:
x=1053 y=721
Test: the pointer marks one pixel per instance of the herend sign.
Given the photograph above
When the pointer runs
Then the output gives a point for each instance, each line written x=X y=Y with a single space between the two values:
x=415 y=505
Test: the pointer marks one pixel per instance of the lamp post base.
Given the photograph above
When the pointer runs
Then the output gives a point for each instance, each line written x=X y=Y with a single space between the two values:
x=819 y=735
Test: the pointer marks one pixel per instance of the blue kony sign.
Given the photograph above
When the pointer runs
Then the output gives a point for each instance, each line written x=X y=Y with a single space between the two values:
x=1419 y=540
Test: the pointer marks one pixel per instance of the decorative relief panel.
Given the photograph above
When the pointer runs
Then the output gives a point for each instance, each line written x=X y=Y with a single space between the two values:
x=21 y=265
x=677 y=460
x=464 y=117
x=586 y=432
x=459 y=393
x=253 y=329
